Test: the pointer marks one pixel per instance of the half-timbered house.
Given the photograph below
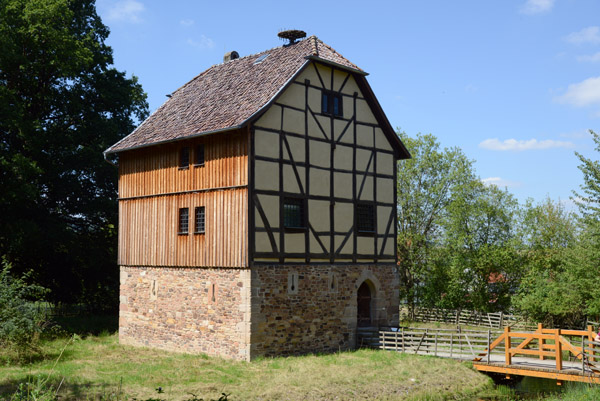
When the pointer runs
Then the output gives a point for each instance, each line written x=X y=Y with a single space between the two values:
x=257 y=209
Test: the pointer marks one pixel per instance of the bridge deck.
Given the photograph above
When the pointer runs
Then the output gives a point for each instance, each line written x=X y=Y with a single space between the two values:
x=523 y=366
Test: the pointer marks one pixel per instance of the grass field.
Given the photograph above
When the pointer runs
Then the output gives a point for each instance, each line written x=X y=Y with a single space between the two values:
x=97 y=366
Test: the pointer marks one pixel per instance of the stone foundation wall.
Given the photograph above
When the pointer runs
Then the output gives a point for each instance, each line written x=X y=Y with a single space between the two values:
x=195 y=310
x=303 y=309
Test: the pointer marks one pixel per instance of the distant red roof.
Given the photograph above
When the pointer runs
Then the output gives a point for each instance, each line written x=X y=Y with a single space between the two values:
x=227 y=95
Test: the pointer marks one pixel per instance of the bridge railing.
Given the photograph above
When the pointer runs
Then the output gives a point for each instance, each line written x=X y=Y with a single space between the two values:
x=547 y=343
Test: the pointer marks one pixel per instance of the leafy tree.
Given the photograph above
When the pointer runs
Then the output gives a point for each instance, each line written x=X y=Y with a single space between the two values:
x=62 y=103
x=562 y=285
x=549 y=291
x=477 y=248
x=424 y=188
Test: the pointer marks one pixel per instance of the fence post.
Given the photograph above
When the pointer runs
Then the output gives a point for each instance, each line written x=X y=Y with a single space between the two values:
x=489 y=345
x=507 y=355
x=541 y=341
x=403 y=340
x=451 y=343
x=501 y=324
x=558 y=347
x=591 y=338
x=582 y=355
x=396 y=341
x=436 y=336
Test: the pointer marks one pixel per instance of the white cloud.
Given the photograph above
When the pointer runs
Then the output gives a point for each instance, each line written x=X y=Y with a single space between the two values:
x=125 y=10
x=203 y=43
x=590 y=34
x=582 y=94
x=536 y=6
x=500 y=182
x=186 y=22
x=591 y=58
x=521 y=145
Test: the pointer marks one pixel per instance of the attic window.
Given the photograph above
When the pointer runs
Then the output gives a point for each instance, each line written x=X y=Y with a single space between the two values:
x=199 y=155
x=261 y=59
x=331 y=103
x=184 y=157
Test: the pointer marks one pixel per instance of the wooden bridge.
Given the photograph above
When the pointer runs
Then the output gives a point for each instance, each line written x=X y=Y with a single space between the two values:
x=557 y=354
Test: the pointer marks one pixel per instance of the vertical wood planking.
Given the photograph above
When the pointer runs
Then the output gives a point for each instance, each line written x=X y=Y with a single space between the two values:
x=148 y=225
x=148 y=230
x=155 y=170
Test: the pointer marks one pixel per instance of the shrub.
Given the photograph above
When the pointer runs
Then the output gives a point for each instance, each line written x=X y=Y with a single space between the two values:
x=20 y=320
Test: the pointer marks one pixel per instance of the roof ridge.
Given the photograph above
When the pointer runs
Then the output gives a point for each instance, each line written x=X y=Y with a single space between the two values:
x=316 y=52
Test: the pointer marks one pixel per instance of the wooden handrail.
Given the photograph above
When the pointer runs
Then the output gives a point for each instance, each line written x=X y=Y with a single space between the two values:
x=544 y=350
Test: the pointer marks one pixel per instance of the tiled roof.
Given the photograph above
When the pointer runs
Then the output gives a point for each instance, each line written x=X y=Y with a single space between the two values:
x=226 y=95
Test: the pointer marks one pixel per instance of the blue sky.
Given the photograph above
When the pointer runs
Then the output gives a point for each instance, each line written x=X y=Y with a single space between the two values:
x=514 y=83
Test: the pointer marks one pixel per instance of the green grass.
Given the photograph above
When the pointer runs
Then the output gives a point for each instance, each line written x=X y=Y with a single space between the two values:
x=98 y=365
x=577 y=392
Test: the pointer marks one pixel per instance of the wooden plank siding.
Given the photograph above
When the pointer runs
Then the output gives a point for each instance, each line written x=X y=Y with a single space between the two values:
x=153 y=188
x=155 y=170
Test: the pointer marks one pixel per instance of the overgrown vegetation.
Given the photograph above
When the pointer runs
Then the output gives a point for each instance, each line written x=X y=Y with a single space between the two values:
x=21 y=323
x=97 y=365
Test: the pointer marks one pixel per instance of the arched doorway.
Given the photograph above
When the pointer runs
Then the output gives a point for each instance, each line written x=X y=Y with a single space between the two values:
x=363 y=300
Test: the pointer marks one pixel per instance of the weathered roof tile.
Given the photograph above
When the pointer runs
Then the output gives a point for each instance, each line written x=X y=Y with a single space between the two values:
x=226 y=95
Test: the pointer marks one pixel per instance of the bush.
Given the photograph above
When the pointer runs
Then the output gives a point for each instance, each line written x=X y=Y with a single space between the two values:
x=20 y=320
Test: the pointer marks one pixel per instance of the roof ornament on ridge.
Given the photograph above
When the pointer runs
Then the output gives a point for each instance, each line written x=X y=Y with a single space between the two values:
x=292 y=35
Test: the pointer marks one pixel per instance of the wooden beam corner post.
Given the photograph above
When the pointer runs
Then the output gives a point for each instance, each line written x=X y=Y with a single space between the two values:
x=507 y=355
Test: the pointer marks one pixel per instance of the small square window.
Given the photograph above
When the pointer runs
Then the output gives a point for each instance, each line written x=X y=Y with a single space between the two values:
x=365 y=219
x=200 y=220
x=199 y=155
x=184 y=157
x=293 y=213
x=331 y=103
x=184 y=214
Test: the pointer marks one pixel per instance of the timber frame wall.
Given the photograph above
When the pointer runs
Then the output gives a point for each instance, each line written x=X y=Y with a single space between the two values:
x=152 y=188
x=331 y=162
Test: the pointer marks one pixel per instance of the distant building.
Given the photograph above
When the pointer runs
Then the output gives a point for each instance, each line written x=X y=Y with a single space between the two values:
x=257 y=209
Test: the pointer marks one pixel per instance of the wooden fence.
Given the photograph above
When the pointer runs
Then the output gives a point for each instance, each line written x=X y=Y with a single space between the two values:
x=480 y=345
x=450 y=343
x=496 y=320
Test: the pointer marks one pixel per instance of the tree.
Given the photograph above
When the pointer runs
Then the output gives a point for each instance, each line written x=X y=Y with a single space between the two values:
x=478 y=248
x=425 y=186
x=62 y=103
x=549 y=290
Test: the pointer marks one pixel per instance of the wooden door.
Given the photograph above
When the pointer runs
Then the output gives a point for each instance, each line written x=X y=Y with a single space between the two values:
x=364 y=305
